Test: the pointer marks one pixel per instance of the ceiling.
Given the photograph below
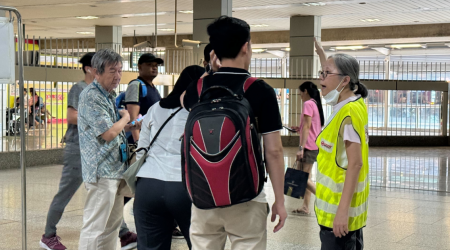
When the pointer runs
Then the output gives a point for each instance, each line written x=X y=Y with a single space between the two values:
x=58 y=18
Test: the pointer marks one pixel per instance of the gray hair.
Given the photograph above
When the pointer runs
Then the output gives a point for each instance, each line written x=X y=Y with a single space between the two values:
x=348 y=66
x=103 y=58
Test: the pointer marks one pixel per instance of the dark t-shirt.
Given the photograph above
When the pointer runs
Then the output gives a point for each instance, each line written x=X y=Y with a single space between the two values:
x=260 y=95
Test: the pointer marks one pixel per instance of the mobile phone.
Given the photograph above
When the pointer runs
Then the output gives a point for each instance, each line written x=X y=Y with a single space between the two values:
x=137 y=120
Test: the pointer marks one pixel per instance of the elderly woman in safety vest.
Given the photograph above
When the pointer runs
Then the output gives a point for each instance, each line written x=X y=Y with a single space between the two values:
x=342 y=178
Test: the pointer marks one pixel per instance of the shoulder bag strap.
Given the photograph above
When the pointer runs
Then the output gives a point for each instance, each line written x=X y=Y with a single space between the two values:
x=159 y=131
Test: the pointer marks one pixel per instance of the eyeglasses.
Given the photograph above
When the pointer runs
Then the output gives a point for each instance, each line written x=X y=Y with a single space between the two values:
x=324 y=74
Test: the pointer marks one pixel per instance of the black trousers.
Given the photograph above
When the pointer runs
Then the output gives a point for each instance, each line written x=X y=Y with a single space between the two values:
x=352 y=241
x=156 y=205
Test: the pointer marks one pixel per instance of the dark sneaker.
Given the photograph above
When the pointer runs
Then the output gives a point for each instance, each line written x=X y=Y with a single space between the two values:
x=128 y=241
x=52 y=243
x=176 y=234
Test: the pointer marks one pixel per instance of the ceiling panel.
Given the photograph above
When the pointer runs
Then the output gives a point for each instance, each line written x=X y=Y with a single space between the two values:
x=57 y=18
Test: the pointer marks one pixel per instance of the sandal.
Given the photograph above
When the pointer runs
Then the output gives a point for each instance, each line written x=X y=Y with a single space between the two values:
x=301 y=212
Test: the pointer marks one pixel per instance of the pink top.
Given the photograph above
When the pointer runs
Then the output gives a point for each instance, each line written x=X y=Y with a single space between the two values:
x=310 y=109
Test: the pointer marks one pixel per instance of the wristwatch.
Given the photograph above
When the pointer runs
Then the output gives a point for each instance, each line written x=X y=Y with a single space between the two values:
x=300 y=148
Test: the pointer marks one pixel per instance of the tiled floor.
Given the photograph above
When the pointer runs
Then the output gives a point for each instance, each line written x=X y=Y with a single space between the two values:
x=406 y=211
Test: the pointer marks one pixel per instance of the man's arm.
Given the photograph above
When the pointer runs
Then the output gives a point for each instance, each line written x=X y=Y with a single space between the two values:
x=275 y=167
x=72 y=116
x=133 y=109
x=117 y=127
x=132 y=104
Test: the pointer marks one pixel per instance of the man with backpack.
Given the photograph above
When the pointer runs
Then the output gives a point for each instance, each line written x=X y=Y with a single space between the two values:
x=223 y=160
x=141 y=94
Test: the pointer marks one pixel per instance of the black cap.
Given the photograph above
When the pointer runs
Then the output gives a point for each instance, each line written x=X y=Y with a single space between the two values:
x=149 y=57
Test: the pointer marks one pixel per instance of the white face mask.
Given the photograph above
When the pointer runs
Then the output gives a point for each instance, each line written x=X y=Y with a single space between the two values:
x=333 y=97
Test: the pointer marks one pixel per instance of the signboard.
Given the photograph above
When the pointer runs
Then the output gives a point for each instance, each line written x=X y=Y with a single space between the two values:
x=7 y=51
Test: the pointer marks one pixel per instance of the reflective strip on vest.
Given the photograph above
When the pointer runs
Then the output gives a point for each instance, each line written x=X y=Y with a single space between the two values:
x=332 y=209
x=338 y=187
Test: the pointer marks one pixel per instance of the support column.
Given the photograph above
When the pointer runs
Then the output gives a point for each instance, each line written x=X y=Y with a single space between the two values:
x=303 y=60
x=108 y=37
x=205 y=12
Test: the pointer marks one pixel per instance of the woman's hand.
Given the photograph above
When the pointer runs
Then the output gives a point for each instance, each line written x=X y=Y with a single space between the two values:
x=340 y=224
x=215 y=62
x=300 y=155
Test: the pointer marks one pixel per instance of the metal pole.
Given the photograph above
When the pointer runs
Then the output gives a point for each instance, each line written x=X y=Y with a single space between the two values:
x=156 y=23
x=22 y=122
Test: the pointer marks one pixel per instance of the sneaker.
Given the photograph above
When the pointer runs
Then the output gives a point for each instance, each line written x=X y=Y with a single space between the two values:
x=52 y=243
x=176 y=234
x=128 y=241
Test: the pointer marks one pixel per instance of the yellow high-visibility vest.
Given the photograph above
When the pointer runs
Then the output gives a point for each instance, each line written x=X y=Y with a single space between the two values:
x=332 y=165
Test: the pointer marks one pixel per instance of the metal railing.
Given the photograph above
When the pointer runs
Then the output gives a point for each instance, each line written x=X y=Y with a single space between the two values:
x=393 y=110
x=369 y=70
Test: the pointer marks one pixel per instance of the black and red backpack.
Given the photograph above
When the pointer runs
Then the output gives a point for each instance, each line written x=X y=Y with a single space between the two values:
x=222 y=157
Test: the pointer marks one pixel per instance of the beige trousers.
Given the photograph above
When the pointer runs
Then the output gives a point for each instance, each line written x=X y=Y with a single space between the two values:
x=103 y=214
x=245 y=224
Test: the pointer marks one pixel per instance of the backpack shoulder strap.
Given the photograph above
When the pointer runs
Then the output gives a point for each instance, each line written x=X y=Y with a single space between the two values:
x=143 y=86
x=249 y=83
x=199 y=87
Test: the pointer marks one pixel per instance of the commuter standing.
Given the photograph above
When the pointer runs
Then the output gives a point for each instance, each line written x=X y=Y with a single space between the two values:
x=103 y=155
x=136 y=102
x=155 y=211
x=245 y=223
x=311 y=123
x=71 y=178
x=343 y=162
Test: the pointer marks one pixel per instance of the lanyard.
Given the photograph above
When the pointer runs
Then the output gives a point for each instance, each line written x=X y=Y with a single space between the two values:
x=116 y=113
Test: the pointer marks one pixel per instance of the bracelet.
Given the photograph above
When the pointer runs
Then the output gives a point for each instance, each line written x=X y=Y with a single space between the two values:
x=300 y=148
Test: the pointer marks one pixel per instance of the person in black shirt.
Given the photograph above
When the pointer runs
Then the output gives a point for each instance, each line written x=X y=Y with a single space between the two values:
x=245 y=224
x=136 y=103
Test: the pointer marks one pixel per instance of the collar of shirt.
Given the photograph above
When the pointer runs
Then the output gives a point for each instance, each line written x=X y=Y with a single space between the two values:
x=338 y=107
x=111 y=94
x=146 y=83
x=225 y=70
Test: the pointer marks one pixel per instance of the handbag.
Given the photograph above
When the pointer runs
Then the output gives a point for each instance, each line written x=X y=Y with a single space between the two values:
x=130 y=174
x=295 y=181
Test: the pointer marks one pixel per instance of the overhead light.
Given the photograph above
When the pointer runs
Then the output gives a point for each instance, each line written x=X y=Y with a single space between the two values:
x=85 y=32
x=87 y=17
x=314 y=4
x=143 y=14
x=370 y=20
x=287 y=49
x=259 y=25
x=141 y=25
x=403 y=46
x=186 y=11
x=258 y=50
x=166 y=29
x=350 y=47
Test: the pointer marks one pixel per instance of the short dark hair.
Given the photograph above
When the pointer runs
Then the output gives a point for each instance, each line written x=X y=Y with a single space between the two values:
x=227 y=35
x=207 y=51
x=25 y=90
x=86 y=60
